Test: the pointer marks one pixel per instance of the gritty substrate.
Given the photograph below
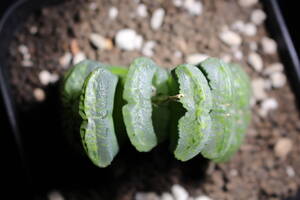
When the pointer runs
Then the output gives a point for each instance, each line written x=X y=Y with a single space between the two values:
x=255 y=172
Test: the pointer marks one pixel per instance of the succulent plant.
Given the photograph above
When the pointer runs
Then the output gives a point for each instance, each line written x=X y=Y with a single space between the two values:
x=200 y=108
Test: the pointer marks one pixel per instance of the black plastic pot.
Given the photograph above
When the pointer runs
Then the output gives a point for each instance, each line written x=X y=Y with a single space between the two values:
x=46 y=166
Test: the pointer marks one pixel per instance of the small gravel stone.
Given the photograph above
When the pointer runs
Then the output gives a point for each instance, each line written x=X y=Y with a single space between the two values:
x=113 y=13
x=146 y=196
x=26 y=63
x=93 y=6
x=147 y=50
x=238 y=55
x=33 y=30
x=278 y=79
x=250 y=29
x=230 y=38
x=65 y=60
x=255 y=61
x=39 y=94
x=55 y=195
x=269 y=46
x=258 y=86
x=193 y=7
x=203 y=197
x=23 y=49
x=178 y=3
x=100 y=42
x=128 y=39
x=226 y=58
x=80 y=56
x=178 y=54
x=247 y=3
x=179 y=192
x=290 y=171
x=45 y=77
x=275 y=67
x=268 y=105
x=283 y=147
x=141 y=10
x=166 y=196
x=258 y=16
x=238 y=25
x=196 y=58
x=157 y=18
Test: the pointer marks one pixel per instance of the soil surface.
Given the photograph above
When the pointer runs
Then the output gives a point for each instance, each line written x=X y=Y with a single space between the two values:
x=255 y=172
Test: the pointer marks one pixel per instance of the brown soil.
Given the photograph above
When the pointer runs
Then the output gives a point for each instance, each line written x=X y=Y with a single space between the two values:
x=255 y=172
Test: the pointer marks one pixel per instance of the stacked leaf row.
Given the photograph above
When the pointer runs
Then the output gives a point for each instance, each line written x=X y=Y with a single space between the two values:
x=199 y=109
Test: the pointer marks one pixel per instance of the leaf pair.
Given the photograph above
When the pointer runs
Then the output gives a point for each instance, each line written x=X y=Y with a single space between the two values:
x=210 y=113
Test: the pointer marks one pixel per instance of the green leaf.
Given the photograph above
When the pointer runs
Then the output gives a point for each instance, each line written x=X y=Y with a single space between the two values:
x=96 y=108
x=74 y=79
x=242 y=112
x=70 y=93
x=137 y=113
x=194 y=128
x=221 y=82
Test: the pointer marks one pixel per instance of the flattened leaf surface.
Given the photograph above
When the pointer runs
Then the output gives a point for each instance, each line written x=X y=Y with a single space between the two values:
x=96 y=108
x=137 y=113
x=220 y=80
x=242 y=112
x=194 y=128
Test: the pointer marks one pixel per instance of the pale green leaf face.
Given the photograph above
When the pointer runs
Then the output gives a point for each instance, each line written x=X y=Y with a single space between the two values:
x=229 y=92
x=194 y=128
x=75 y=77
x=137 y=113
x=96 y=108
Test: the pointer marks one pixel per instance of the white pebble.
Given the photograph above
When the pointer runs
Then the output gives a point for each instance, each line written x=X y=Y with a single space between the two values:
x=80 y=56
x=250 y=29
x=238 y=55
x=93 y=6
x=128 y=39
x=255 y=61
x=269 y=46
x=258 y=87
x=283 y=147
x=148 y=47
x=193 y=7
x=23 y=49
x=166 y=196
x=203 y=197
x=33 y=30
x=226 y=58
x=178 y=3
x=268 y=105
x=275 y=67
x=113 y=13
x=253 y=46
x=247 y=3
x=196 y=58
x=141 y=10
x=178 y=54
x=258 y=16
x=45 y=77
x=179 y=192
x=238 y=25
x=39 y=94
x=65 y=60
x=146 y=196
x=290 y=171
x=230 y=38
x=99 y=41
x=26 y=63
x=55 y=195
x=278 y=79
x=157 y=18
